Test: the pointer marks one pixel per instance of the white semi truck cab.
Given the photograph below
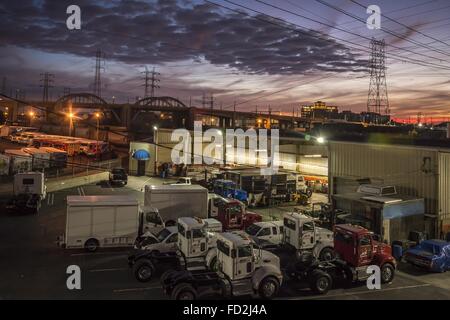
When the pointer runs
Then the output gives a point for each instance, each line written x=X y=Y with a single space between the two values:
x=242 y=270
x=196 y=236
x=301 y=233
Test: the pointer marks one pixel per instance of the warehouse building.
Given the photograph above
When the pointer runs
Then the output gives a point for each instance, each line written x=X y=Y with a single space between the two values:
x=416 y=172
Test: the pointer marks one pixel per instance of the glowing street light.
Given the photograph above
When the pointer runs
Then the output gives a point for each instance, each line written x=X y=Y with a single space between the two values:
x=321 y=140
x=97 y=117
x=70 y=115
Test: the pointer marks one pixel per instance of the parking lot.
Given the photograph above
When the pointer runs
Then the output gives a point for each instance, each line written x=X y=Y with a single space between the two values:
x=33 y=267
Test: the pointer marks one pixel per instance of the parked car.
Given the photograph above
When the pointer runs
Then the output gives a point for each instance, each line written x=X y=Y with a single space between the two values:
x=432 y=255
x=118 y=176
x=163 y=241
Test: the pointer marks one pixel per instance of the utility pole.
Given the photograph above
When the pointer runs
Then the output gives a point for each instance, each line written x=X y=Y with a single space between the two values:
x=46 y=79
x=234 y=114
x=99 y=66
x=211 y=105
x=377 y=100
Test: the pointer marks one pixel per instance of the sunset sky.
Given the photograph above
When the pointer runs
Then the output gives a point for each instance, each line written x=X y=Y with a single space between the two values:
x=201 y=47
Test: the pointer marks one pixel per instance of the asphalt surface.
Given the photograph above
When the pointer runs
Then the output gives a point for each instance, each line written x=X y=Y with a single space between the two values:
x=33 y=267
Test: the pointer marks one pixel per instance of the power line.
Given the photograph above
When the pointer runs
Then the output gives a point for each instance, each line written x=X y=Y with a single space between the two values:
x=319 y=35
x=337 y=28
x=404 y=25
x=386 y=31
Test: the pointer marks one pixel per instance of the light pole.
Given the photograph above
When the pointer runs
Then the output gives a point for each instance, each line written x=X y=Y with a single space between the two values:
x=70 y=115
x=155 y=141
x=97 y=117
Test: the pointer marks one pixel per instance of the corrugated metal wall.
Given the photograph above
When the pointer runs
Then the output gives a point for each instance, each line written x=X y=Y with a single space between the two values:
x=444 y=187
x=414 y=171
x=313 y=166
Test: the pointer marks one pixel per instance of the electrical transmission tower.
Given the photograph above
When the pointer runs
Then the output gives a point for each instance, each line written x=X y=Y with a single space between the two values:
x=378 y=96
x=46 y=79
x=151 y=81
x=99 y=66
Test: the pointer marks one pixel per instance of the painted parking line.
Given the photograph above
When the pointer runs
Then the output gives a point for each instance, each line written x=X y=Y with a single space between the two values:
x=50 y=199
x=81 y=191
x=347 y=294
x=145 y=182
x=137 y=289
x=108 y=270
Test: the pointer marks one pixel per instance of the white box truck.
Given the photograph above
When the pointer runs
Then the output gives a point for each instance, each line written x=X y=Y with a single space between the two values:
x=98 y=221
x=170 y=202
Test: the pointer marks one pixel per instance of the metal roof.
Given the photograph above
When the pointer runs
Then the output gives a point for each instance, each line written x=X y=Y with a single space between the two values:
x=101 y=200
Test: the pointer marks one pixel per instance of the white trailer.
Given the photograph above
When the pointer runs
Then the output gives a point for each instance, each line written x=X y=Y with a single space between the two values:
x=101 y=221
x=20 y=161
x=30 y=183
x=171 y=202
x=40 y=158
x=58 y=158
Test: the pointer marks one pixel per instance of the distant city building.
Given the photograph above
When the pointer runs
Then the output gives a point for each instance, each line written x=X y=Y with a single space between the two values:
x=319 y=111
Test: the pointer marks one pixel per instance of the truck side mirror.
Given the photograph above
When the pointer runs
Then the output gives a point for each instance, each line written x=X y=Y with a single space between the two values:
x=233 y=253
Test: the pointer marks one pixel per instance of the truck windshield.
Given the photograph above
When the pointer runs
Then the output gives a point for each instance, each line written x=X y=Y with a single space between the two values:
x=163 y=234
x=223 y=247
x=245 y=251
x=181 y=230
x=198 y=233
x=253 y=229
x=288 y=223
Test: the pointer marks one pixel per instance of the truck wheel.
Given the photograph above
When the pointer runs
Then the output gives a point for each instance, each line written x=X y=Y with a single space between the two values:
x=321 y=282
x=167 y=274
x=327 y=254
x=268 y=288
x=387 y=273
x=91 y=245
x=143 y=270
x=183 y=291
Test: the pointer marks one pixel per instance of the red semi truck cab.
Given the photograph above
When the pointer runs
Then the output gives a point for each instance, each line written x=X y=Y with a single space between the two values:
x=231 y=213
x=358 y=247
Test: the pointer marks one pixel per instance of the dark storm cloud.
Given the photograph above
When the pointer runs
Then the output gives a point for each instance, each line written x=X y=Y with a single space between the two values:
x=137 y=32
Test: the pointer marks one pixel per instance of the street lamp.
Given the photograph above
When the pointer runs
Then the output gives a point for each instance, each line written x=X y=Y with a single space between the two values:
x=97 y=117
x=155 y=141
x=70 y=115
x=31 y=114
